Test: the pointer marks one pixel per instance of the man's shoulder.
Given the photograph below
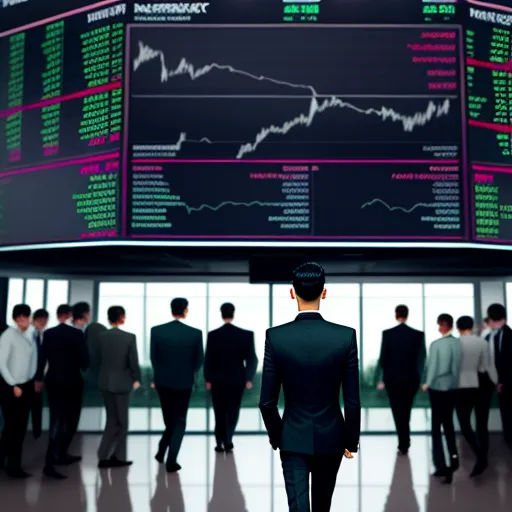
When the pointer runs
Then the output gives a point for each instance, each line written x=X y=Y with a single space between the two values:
x=320 y=324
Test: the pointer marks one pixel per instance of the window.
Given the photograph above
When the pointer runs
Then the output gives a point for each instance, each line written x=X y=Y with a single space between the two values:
x=251 y=303
x=34 y=293
x=131 y=297
x=456 y=299
x=56 y=294
x=379 y=302
x=15 y=296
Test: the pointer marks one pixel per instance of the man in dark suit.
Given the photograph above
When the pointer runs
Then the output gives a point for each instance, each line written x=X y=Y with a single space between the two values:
x=39 y=323
x=119 y=374
x=499 y=375
x=229 y=367
x=311 y=358
x=402 y=361
x=92 y=336
x=176 y=355
x=66 y=353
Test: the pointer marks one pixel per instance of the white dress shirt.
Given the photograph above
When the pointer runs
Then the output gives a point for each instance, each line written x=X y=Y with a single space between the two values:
x=18 y=356
x=493 y=372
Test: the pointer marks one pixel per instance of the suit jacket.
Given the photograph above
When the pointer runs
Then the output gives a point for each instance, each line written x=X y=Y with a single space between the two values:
x=503 y=357
x=119 y=361
x=443 y=365
x=402 y=356
x=230 y=356
x=65 y=351
x=92 y=334
x=311 y=359
x=176 y=354
x=474 y=360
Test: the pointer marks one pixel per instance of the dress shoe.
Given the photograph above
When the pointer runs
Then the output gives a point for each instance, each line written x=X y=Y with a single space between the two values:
x=479 y=469
x=120 y=463
x=454 y=464
x=440 y=473
x=229 y=447
x=67 y=460
x=403 y=451
x=160 y=457
x=51 y=472
x=219 y=449
x=17 y=473
x=172 y=467
x=448 y=479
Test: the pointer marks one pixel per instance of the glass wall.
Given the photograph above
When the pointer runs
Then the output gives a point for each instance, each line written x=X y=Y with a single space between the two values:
x=367 y=306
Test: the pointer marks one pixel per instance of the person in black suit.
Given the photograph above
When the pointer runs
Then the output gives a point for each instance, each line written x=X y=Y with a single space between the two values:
x=39 y=322
x=229 y=367
x=176 y=356
x=402 y=361
x=498 y=376
x=119 y=374
x=66 y=353
x=92 y=336
x=311 y=359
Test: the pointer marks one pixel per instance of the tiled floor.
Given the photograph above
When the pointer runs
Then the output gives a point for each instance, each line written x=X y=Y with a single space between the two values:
x=250 y=480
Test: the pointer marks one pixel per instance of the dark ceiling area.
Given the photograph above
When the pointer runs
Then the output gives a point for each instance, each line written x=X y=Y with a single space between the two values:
x=263 y=265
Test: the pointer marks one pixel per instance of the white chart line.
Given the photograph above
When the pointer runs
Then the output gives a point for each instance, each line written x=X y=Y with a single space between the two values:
x=398 y=208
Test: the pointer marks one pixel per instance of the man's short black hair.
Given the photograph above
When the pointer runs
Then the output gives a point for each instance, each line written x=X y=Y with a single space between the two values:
x=21 y=310
x=496 y=312
x=486 y=320
x=64 y=310
x=465 y=323
x=227 y=310
x=402 y=311
x=115 y=313
x=40 y=313
x=309 y=281
x=445 y=319
x=80 y=309
x=178 y=306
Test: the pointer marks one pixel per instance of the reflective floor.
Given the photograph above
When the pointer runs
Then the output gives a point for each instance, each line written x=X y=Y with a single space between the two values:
x=250 y=480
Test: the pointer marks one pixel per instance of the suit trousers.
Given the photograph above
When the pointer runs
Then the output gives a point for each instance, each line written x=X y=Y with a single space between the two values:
x=37 y=415
x=174 y=403
x=16 y=413
x=466 y=403
x=114 y=438
x=226 y=400
x=401 y=399
x=443 y=407
x=483 y=407
x=296 y=470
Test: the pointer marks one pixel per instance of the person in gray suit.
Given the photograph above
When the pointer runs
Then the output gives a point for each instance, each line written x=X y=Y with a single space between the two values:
x=443 y=367
x=119 y=374
x=474 y=363
x=176 y=355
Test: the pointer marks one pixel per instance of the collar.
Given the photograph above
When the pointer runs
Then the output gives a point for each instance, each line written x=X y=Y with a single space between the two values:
x=309 y=315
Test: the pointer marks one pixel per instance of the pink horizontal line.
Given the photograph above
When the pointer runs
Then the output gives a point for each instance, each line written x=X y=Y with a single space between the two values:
x=488 y=5
x=497 y=127
x=59 y=99
x=324 y=161
x=493 y=240
x=58 y=17
x=296 y=237
x=492 y=168
x=498 y=66
x=65 y=163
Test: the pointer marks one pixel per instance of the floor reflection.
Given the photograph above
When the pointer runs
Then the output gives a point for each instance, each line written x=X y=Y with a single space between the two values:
x=168 y=495
x=401 y=495
x=114 y=492
x=227 y=495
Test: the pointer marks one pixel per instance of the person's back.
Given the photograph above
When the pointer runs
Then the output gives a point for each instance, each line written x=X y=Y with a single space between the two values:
x=311 y=359
x=92 y=339
x=443 y=365
x=474 y=360
x=119 y=365
x=176 y=354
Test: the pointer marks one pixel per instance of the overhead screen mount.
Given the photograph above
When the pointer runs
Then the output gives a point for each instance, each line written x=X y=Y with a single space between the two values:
x=282 y=123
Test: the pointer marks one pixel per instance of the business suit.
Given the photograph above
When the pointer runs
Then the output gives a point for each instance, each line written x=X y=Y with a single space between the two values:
x=474 y=362
x=92 y=335
x=119 y=370
x=401 y=361
x=37 y=398
x=65 y=351
x=443 y=368
x=176 y=356
x=498 y=373
x=311 y=359
x=230 y=363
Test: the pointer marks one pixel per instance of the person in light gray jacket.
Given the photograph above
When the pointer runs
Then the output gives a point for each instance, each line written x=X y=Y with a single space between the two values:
x=442 y=381
x=474 y=362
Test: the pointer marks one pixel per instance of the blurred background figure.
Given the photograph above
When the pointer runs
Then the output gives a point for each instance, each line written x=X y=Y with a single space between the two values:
x=39 y=323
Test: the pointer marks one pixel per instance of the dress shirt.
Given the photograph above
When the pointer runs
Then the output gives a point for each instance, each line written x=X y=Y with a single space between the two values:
x=18 y=356
x=443 y=364
x=493 y=372
x=475 y=360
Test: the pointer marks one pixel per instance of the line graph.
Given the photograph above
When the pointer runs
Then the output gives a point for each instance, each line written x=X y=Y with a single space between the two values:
x=192 y=209
x=317 y=104
x=397 y=208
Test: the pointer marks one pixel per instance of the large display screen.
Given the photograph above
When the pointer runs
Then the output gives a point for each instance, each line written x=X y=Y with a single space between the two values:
x=269 y=121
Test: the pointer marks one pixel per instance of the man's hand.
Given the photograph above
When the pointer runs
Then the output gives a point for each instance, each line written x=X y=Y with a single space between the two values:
x=38 y=386
x=17 y=391
x=348 y=454
x=152 y=385
x=136 y=385
x=500 y=388
x=424 y=387
x=380 y=386
x=209 y=386
x=248 y=385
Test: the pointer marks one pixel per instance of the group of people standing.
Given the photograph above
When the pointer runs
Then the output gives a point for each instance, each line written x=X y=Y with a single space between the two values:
x=34 y=360
x=461 y=374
